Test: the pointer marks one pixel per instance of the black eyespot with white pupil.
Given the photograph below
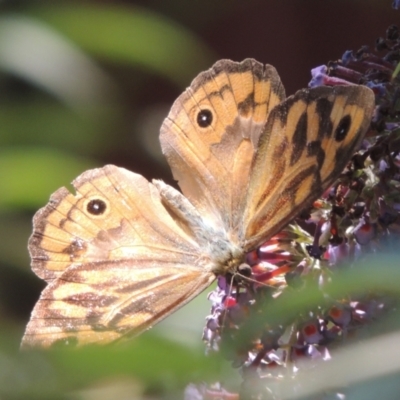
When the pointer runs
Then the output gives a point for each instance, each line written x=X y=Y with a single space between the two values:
x=204 y=118
x=96 y=207
x=343 y=128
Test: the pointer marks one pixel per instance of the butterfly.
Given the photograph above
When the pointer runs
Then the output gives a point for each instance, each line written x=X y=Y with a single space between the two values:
x=122 y=253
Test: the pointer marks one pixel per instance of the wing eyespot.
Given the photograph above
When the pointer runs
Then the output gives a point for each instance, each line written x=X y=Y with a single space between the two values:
x=343 y=128
x=204 y=118
x=96 y=207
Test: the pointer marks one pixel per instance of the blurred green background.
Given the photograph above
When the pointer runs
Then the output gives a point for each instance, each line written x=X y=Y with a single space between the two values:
x=87 y=83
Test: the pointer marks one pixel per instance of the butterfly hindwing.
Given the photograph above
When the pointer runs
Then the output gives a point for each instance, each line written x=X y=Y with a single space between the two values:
x=104 y=301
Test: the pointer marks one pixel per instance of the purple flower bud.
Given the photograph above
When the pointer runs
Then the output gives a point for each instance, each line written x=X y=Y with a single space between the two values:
x=392 y=33
x=340 y=315
x=364 y=232
x=348 y=56
x=347 y=74
x=194 y=392
x=338 y=254
x=311 y=332
x=380 y=89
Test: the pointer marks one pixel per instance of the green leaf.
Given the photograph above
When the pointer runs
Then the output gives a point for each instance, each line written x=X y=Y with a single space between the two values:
x=41 y=123
x=29 y=176
x=155 y=364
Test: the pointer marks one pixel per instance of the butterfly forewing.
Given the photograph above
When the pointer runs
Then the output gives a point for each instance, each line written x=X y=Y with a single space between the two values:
x=306 y=143
x=211 y=133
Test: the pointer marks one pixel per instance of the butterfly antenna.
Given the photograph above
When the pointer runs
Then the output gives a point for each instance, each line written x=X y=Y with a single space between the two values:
x=226 y=303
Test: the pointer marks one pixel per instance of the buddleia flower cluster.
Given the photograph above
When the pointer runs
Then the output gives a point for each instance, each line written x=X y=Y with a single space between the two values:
x=355 y=219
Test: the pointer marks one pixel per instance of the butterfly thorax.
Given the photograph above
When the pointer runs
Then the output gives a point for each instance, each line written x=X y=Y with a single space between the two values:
x=220 y=251
x=225 y=255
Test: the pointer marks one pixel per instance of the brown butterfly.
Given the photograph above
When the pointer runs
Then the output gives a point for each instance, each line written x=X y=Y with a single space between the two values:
x=123 y=253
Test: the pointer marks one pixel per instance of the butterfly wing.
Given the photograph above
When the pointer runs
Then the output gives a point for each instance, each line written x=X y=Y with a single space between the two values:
x=104 y=301
x=115 y=259
x=211 y=133
x=306 y=143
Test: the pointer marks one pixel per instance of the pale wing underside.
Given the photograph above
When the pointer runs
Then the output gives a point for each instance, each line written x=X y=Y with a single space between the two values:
x=211 y=163
x=101 y=302
x=306 y=143
x=134 y=223
x=113 y=232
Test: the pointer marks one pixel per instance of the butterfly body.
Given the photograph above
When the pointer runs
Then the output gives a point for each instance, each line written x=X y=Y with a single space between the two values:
x=218 y=248
x=122 y=253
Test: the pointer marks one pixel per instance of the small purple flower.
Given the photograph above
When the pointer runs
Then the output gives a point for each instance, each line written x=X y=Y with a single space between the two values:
x=347 y=57
x=310 y=332
x=364 y=232
x=379 y=89
x=320 y=77
x=212 y=392
x=340 y=315
x=338 y=254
